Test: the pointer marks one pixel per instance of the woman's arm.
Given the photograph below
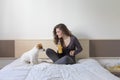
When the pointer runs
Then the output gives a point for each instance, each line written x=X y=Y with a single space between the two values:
x=78 y=46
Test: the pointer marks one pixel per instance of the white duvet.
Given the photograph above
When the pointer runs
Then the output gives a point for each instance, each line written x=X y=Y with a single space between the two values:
x=88 y=69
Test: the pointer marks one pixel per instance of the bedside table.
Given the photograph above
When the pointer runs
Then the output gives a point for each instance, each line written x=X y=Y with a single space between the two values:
x=5 y=61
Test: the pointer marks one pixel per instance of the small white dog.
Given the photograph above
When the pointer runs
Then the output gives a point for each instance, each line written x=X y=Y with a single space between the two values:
x=31 y=56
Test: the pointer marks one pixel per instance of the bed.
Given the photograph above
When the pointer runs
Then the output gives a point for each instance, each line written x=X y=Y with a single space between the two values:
x=84 y=69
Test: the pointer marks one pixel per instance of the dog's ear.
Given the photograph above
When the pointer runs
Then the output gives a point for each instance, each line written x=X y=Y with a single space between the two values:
x=39 y=46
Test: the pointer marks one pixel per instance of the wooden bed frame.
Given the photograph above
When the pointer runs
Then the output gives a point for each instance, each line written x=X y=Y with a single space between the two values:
x=23 y=45
x=91 y=48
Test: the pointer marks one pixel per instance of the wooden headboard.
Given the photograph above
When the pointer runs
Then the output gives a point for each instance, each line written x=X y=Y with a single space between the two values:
x=22 y=46
x=104 y=48
x=91 y=48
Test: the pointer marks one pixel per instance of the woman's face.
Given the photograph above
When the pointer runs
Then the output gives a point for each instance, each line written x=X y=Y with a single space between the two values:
x=59 y=33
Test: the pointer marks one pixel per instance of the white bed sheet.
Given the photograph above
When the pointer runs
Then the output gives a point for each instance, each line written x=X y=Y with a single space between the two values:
x=88 y=69
x=16 y=70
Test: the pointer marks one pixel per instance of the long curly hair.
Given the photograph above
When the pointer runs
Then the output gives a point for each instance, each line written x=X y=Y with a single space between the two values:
x=65 y=31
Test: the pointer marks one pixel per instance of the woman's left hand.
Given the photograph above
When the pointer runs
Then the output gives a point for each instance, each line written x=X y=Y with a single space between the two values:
x=72 y=53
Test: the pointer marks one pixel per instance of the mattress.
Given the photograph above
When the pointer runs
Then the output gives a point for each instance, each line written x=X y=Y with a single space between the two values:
x=87 y=69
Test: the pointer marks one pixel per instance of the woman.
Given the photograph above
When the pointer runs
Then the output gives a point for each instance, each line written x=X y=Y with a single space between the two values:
x=70 y=46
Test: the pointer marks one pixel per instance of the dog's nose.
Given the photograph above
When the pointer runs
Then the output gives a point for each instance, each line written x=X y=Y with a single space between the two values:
x=43 y=49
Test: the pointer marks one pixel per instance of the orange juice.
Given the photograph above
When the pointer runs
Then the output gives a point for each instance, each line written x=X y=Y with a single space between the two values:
x=59 y=47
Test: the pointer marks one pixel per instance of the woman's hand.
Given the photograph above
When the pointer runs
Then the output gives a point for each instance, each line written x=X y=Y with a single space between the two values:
x=72 y=53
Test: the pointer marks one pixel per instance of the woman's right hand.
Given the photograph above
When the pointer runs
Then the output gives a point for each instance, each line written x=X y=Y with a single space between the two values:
x=72 y=53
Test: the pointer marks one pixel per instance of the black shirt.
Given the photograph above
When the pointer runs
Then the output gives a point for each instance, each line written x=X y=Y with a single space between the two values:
x=73 y=45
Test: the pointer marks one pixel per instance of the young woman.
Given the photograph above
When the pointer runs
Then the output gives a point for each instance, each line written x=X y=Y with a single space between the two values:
x=70 y=46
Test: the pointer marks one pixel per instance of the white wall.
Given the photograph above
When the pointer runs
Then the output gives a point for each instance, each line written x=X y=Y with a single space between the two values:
x=35 y=19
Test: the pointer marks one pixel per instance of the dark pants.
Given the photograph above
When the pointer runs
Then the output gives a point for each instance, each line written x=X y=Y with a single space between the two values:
x=58 y=59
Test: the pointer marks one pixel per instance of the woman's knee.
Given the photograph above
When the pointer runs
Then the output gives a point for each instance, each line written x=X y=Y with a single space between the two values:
x=48 y=50
x=52 y=54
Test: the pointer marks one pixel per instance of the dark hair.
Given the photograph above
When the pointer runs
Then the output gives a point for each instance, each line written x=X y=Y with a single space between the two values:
x=65 y=31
